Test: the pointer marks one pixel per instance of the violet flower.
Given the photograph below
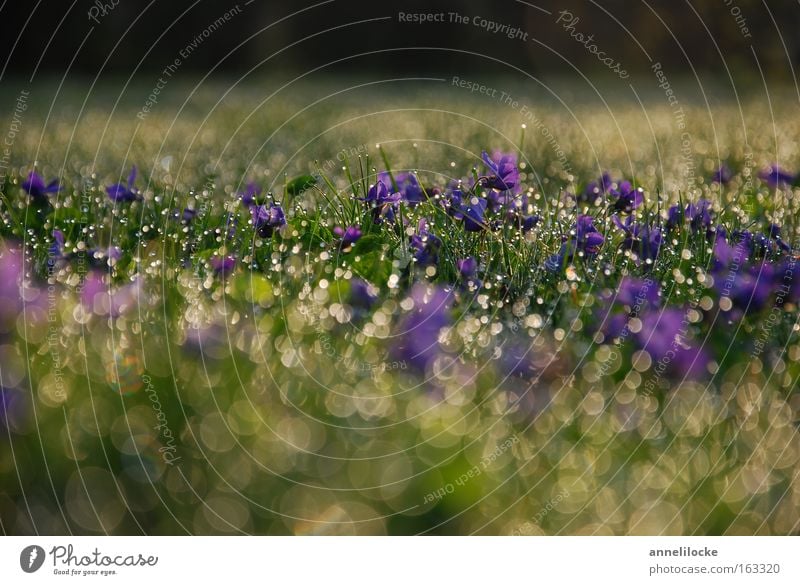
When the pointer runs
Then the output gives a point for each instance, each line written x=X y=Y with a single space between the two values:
x=585 y=238
x=56 y=250
x=722 y=175
x=223 y=265
x=362 y=294
x=637 y=292
x=698 y=214
x=468 y=270
x=776 y=178
x=348 y=236
x=626 y=198
x=383 y=203
x=250 y=193
x=35 y=186
x=596 y=188
x=503 y=172
x=267 y=218
x=416 y=339
x=407 y=185
x=640 y=238
x=474 y=214
x=120 y=192
x=11 y=408
x=426 y=245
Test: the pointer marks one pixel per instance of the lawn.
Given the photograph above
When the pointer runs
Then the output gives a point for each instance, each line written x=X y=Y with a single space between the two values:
x=330 y=309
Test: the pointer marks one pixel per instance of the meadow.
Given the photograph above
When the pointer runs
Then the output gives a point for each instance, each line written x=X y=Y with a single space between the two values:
x=342 y=310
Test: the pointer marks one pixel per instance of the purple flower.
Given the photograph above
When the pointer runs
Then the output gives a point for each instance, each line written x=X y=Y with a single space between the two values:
x=56 y=250
x=104 y=299
x=776 y=178
x=634 y=297
x=674 y=216
x=504 y=174
x=662 y=331
x=348 y=236
x=124 y=192
x=473 y=214
x=722 y=175
x=507 y=201
x=691 y=362
x=99 y=257
x=383 y=203
x=416 y=339
x=35 y=186
x=453 y=200
x=113 y=253
x=587 y=238
x=636 y=292
x=185 y=217
x=223 y=265
x=250 y=193
x=267 y=218
x=596 y=188
x=10 y=281
x=698 y=214
x=526 y=224
x=362 y=294
x=516 y=358
x=468 y=269
x=407 y=185
x=426 y=245
x=761 y=244
x=749 y=288
x=725 y=254
x=11 y=408
x=774 y=236
x=626 y=198
x=640 y=238
x=556 y=262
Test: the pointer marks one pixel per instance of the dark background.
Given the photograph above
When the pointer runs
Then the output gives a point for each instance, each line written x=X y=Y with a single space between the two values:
x=51 y=37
